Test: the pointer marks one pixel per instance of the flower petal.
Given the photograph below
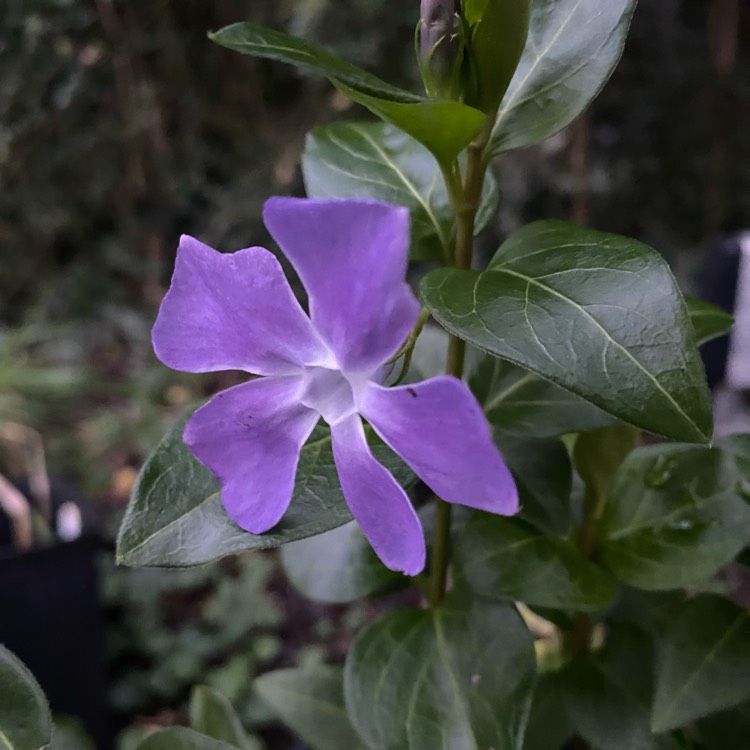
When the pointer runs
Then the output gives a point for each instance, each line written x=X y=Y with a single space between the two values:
x=351 y=256
x=232 y=311
x=376 y=500
x=440 y=431
x=250 y=436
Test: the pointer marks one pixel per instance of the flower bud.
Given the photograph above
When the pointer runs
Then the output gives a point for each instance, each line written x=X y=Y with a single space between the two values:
x=441 y=46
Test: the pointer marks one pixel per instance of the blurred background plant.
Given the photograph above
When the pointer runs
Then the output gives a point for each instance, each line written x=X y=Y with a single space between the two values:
x=122 y=126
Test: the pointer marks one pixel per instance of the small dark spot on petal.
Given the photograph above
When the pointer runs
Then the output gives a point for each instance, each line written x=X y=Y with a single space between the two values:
x=412 y=392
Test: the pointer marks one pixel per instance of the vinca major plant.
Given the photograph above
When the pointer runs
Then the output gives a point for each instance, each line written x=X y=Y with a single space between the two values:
x=568 y=558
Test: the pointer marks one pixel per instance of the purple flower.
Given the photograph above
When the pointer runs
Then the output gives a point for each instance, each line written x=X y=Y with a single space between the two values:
x=238 y=312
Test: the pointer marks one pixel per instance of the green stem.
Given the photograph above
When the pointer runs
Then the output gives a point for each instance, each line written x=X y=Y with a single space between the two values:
x=441 y=553
x=407 y=350
x=598 y=456
x=465 y=197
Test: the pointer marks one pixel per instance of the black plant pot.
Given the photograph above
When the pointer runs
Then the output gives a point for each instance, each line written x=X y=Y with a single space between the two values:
x=51 y=619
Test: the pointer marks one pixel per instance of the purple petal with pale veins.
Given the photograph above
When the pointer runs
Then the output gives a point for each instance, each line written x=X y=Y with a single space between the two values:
x=250 y=436
x=376 y=500
x=440 y=431
x=351 y=256
x=233 y=311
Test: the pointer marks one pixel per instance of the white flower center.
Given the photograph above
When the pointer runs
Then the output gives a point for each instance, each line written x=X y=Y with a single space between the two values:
x=330 y=392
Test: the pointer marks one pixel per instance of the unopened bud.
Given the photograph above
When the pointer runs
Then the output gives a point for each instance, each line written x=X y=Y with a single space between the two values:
x=440 y=45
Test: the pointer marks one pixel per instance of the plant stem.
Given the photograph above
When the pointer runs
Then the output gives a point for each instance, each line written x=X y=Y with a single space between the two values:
x=465 y=197
x=441 y=553
x=598 y=456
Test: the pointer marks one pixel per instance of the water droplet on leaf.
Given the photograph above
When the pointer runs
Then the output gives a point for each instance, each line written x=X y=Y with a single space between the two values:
x=660 y=472
x=682 y=524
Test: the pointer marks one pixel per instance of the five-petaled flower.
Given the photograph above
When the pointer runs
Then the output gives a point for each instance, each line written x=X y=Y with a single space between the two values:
x=237 y=311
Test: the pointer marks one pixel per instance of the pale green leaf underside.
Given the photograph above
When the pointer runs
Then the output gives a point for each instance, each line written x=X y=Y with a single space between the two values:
x=571 y=50
x=378 y=161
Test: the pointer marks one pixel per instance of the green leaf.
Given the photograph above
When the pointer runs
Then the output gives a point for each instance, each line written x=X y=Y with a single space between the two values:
x=709 y=321
x=212 y=714
x=444 y=127
x=572 y=48
x=25 y=721
x=548 y=727
x=544 y=477
x=179 y=738
x=460 y=675
x=379 y=161
x=337 y=567
x=175 y=516
x=674 y=517
x=259 y=41
x=498 y=31
x=704 y=665
x=310 y=701
x=598 y=314
x=608 y=694
x=68 y=734
x=503 y=558
x=521 y=403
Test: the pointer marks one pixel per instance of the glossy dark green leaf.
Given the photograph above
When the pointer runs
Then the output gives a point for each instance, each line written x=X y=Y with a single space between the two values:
x=212 y=714
x=544 y=477
x=444 y=127
x=709 y=321
x=260 y=41
x=596 y=313
x=337 y=567
x=310 y=701
x=521 y=403
x=379 y=161
x=175 y=516
x=179 y=738
x=498 y=31
x=25 y=721
x=674 y=517
x=503 y=558
x=704 y=664
x=460 y=675
x=548 y=727
x=572 y=48
x=608 y=694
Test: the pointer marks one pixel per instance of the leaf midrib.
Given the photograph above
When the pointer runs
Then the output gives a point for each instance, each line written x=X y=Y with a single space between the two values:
x=605 y=333
x=728 y=633
x=406 y=181
x=316 y=444
x=505 y=110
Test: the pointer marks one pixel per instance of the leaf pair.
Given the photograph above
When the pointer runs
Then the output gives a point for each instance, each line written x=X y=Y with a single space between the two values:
x=570 y=50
